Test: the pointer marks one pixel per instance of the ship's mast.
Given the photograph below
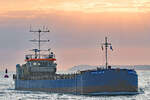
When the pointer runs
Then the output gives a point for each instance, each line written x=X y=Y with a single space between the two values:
x=39 y=39
x=106 y=44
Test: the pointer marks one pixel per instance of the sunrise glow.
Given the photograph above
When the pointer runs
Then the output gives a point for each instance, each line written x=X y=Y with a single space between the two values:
x=76 y=27
x=77 y=5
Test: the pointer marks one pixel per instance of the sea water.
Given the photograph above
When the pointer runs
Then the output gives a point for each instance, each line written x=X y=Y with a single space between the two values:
x=7 y=91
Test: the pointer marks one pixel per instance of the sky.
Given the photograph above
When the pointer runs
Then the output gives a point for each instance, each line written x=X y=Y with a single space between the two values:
x=77 y=29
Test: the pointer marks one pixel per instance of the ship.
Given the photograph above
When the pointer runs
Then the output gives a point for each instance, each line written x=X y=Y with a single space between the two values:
x=39 y=74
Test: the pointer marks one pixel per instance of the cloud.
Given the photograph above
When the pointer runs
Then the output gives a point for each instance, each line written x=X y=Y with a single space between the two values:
x=74 y=26
x=87 y=6
x=76 y=36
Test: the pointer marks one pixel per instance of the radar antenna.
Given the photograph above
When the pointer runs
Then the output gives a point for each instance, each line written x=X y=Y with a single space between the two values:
x=39 y=31
x=106 y=44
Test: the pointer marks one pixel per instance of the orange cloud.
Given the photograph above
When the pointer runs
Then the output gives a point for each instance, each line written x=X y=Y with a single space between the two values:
x=77 y=5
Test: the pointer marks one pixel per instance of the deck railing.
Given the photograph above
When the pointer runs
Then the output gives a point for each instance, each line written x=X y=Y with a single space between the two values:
x=42 y=56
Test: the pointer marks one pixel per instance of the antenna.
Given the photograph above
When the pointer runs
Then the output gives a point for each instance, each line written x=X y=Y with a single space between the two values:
x=106 y=44
x=39 y=31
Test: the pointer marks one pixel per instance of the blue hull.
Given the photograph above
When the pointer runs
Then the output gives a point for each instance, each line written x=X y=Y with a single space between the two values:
x=106 y=81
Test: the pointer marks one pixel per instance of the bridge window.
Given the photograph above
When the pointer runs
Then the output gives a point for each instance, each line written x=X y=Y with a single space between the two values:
x=39 y=63
x=34 y=63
